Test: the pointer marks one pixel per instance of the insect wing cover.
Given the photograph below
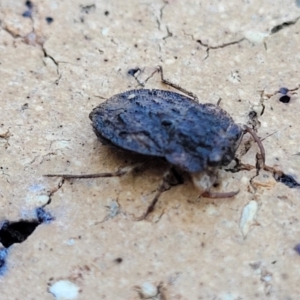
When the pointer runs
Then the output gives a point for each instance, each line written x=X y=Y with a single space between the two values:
x=166 y=124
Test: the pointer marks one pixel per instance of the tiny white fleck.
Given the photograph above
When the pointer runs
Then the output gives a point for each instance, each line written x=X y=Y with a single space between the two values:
x=148 y=290
x=170 y=61
x=39 y=108
x=131 y=96
x=255 y=37
x=211 y=210
x=267 y=278
x=64 y=290
x=105 y=31
x=36 y=187
x=248 y=217
x=221 y=8
x=70 y=242
x=244 y=180
x=229 y=296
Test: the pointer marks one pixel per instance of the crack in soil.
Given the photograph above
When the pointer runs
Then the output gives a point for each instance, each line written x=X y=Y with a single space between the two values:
x=169 y=34
x=6 y=136
x=283 y=25
x=12 y=232
x=159 y=18
x=208 y=47
x=114 y=209
x=11 y=33
x=32 y=38
x=264 y=96
x=56 y=189
x=258 y=166
x=52 y=58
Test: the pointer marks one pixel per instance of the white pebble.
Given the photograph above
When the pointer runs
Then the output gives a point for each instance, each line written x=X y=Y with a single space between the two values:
x=64 y=290
x=148 y=290
x=248 y=217
x=255 y=37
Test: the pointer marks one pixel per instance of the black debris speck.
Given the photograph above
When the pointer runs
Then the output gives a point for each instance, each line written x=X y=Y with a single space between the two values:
x=133 y=71
x=27 y=14
x=29 y=4
x=287 y=180
x=285 y=99
x=119 y=260
x=252 y=114
x=25 y=106
x=297 y=248
x=49 y=20
x=106 y=13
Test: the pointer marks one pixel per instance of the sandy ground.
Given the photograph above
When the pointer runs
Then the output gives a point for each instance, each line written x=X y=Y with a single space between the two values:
x=60 y=59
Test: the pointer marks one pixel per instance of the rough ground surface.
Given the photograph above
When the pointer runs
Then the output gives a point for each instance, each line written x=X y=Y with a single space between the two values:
x=54 y=73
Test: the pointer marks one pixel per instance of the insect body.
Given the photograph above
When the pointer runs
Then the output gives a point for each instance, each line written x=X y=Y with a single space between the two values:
x=196 y=138
x=192 y=137
x=189 y=135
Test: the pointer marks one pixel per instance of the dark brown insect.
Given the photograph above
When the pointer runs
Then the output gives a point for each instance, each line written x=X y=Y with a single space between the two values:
x=193 y=137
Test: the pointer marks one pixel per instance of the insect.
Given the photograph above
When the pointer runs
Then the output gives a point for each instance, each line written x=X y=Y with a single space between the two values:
x=192 y=137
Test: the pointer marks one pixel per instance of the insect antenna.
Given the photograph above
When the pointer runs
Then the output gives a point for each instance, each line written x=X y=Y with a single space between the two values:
x=258 y=142
x=120 y=172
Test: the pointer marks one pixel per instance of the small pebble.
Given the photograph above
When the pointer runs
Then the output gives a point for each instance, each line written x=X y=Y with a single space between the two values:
x=27 y=14
x=64 y=290
x=283 y=91
x=148 y=290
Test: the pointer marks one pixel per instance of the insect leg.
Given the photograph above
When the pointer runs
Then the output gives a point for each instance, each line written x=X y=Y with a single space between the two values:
x=174 y=85
x=177 y=177
x=164 y=186
x=258 y=142
x=120 y=172
x=214 y=195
